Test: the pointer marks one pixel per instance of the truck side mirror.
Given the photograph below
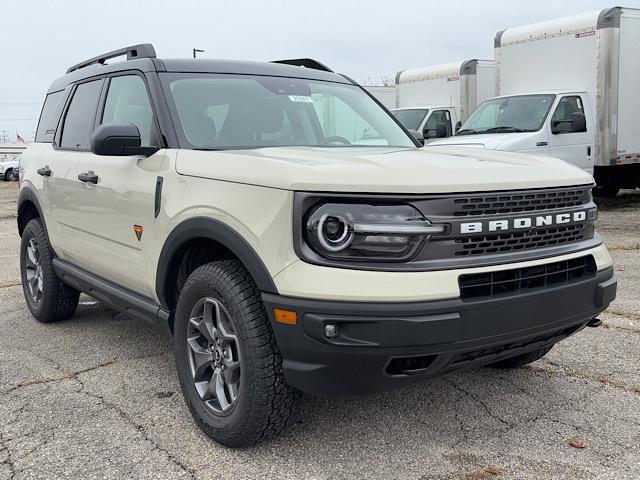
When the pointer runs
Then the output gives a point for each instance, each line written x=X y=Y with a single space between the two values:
x=441 y=130
x=458 y=126
x=578 y=122
x=120 y=140
x=417 y=135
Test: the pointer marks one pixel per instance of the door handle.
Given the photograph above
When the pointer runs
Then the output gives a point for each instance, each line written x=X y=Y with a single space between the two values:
x=44 y=171
x=88 y=177
x=588 y=150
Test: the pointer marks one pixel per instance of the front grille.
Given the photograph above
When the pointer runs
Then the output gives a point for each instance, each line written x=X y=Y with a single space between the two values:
x=518 y=202
x=523 y=280
x=509 y=242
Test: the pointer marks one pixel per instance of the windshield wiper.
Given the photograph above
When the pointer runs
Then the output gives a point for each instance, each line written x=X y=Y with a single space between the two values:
x=504 y=129
x=467 y=131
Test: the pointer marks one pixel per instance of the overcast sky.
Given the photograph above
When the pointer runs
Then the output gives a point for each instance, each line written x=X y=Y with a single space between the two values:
x=367 y=40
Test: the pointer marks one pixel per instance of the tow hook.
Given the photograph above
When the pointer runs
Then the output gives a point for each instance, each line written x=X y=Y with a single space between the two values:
x=594 y=322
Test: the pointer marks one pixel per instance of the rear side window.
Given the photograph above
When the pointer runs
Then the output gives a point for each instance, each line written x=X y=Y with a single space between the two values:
x=49 y=117
x=80 y=117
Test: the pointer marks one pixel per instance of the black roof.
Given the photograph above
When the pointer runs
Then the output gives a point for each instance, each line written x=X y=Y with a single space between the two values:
x=95 y=66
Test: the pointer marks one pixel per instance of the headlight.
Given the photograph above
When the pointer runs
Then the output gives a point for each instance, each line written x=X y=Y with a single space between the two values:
x=367 y=232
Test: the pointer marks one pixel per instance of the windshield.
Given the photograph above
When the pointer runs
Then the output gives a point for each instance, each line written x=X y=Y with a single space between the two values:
x=522 y=113
x=248 y=111
x=411 y=118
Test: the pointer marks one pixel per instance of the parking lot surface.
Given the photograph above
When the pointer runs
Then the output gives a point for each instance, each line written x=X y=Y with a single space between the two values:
x=97 y=397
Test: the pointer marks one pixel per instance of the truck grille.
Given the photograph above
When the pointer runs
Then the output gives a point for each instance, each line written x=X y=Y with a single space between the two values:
x=519 y=241
x=522 y=280
x=518 y=202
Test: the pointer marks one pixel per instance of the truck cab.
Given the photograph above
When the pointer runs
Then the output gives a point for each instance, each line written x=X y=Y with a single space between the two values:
x=558 y=124
x=431 y=122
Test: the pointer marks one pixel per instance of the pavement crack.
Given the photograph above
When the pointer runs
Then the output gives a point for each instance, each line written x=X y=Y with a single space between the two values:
x=139 y=427
x=10 y=284
x=563 y=372
x=481 y=402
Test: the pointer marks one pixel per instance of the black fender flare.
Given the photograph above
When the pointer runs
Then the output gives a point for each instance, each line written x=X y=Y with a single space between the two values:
x=209 y=228
x=27 y=195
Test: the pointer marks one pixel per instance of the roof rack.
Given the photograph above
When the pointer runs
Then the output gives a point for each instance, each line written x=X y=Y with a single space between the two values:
x=144 y=50
x=305 y=62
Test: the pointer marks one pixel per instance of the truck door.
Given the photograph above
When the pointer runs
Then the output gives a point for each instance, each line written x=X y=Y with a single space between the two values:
x=571 y=132
x=437 y=125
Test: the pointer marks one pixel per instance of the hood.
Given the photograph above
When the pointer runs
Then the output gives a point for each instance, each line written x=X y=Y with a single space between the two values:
x=442 y=169
x=491 y=141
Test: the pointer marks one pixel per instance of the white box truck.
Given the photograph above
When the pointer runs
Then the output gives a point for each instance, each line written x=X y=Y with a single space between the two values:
x=568 y=89
x=386 y=95
x=462 y=85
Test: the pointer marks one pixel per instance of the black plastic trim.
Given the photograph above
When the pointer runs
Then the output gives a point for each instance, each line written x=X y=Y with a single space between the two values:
x=158 y=197
x=305 y=62
x=27 y=194
x=116 y=296
x=144 y=50
x=209 y=228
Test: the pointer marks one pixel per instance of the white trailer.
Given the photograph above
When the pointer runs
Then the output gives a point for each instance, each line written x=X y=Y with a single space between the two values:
x=386 y=95
x=579 y=75
x=461 y=85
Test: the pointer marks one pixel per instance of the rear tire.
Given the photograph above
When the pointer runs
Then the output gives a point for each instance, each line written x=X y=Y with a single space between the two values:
x=606 y=191
x=522 y=360
x=48 y=299
x=228 y=362
x=11 y=175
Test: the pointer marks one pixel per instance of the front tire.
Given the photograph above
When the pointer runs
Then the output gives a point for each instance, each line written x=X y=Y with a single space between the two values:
x=11 y=175
x=48 y=299
x=522 y=360
x=228 y=362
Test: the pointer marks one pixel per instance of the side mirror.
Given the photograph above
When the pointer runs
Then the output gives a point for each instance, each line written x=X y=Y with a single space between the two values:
x=578 y=122
x=441 y=130
x=120 y=140
x=458 y=126
x=417 y=135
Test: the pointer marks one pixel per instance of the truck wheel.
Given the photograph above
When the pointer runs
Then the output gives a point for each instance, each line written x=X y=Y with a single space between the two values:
x=606 y=191
x=48 y=299
x=228 y=362
x=11 y=175
x=522 y=360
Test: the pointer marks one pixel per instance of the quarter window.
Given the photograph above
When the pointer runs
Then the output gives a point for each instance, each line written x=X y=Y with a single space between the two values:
x=128 y=102
x=80 y=117
x=49 y=117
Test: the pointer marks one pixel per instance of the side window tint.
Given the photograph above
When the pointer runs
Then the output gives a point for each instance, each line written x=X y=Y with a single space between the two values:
x=563 y=115
x=439 y=117
x=49 y=117
x=79 y=120
x=128 y=102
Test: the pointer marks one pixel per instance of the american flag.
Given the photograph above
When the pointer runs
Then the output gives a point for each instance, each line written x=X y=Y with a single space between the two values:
x=19 y=139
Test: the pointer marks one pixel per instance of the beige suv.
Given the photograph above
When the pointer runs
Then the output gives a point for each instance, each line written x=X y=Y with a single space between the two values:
x=293 y=237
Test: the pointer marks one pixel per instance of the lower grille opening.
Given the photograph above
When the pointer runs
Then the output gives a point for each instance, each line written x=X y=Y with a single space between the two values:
x=521 y=280
x=482 y=353
x=409 y=365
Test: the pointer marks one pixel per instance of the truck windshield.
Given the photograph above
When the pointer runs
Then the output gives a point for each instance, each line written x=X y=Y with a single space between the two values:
x=218 y=112
x=521 y=113
x=411 y=118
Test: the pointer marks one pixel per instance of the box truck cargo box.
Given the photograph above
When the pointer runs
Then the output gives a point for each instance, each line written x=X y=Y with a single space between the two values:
x=385 y=95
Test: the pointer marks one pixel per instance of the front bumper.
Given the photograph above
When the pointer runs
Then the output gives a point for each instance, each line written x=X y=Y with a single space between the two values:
x=381 y=346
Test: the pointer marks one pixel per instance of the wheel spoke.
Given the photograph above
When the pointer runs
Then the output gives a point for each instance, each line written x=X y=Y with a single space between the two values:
x=231 y=371
x=221 y=395
x=204 y=327
x=201 y=359
x=32 y=260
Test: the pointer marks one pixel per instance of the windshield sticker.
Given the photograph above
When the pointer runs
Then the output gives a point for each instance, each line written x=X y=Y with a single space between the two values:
x=300 y=98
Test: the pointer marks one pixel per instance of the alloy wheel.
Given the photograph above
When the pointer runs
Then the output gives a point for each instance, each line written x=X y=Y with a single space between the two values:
x=35 y=281
x=214 y=355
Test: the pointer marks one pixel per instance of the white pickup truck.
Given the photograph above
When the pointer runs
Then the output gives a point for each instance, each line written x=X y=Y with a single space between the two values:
x=568 y=89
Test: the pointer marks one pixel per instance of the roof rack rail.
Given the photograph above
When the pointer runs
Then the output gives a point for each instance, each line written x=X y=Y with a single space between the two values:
x=144 y=50
x=305 y=62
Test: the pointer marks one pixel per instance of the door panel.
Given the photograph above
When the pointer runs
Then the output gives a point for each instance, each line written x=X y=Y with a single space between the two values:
x=573 y=147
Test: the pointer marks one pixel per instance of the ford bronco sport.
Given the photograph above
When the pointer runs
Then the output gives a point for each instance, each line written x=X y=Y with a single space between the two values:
x=293 y=236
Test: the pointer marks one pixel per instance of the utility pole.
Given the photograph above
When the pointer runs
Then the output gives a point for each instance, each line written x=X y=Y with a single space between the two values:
x=197 y=50
x=3 y=135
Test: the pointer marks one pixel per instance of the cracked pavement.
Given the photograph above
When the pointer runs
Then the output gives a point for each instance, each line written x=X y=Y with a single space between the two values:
x=97 y=397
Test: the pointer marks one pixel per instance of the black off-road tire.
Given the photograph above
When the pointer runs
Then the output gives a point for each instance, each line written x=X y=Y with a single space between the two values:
x=57 y=301
x=11 y=175
x=522 y=360
x=265 y=404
